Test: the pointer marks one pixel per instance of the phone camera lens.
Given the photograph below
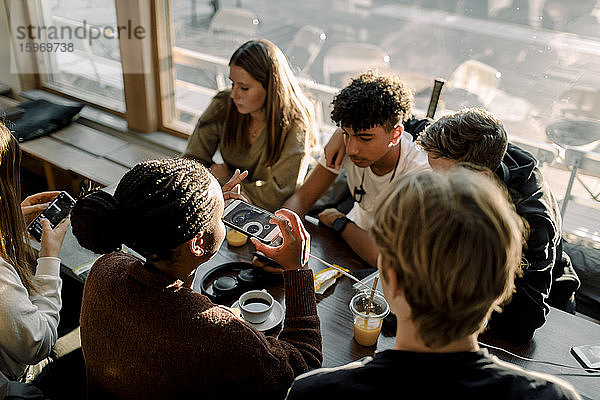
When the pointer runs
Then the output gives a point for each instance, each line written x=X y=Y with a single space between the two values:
x=238 y=219
x=253 y=229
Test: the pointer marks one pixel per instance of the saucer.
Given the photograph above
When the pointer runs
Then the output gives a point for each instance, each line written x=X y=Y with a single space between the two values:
x=272 y=321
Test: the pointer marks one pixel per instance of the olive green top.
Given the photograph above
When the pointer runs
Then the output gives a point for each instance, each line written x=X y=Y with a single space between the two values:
x=267 y=186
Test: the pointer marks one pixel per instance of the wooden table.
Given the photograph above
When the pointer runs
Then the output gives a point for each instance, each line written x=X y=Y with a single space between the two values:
x=574 y=132
x=336 y=320
x=552 y=342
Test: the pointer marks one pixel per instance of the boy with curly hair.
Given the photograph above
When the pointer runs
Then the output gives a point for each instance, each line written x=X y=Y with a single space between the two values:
x=371 y=112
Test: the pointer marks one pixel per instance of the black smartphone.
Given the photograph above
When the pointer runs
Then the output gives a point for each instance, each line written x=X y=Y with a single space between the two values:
x=57 y=211
x=587 y=355
x=250 y=220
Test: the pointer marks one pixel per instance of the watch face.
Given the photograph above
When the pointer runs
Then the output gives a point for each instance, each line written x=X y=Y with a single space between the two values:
x=339 y=224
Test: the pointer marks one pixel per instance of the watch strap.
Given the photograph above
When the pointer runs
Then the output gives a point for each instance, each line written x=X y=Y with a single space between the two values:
x=339 y=224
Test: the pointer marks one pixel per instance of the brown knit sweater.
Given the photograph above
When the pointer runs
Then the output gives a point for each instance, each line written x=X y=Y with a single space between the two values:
x=145 y=338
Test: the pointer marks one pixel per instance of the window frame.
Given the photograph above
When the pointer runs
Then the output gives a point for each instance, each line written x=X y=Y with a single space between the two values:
x=141 y=90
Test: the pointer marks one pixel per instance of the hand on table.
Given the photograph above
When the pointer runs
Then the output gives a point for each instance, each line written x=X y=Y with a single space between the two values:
x=294 y=251
x=327 y=216
x=33 y=205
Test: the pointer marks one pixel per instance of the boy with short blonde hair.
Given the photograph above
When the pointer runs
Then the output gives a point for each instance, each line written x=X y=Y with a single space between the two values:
x=454 y=257
x=449 y=247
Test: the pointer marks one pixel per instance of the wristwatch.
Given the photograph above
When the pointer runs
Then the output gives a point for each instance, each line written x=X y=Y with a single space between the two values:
x=340 y=224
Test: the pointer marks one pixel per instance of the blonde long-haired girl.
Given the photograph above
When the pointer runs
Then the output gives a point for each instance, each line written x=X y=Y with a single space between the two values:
x=30 y=301
x=263 y=124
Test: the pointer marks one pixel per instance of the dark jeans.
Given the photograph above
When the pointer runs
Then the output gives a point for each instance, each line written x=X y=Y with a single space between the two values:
x=64 y=378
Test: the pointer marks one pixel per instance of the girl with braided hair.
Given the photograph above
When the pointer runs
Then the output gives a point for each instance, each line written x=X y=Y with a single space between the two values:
x=145 y=333
x=263 y=124
x=30 y=298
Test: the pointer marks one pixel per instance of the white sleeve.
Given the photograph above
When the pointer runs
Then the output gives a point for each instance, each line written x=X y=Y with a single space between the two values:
x=28 y=324
x=412 y=159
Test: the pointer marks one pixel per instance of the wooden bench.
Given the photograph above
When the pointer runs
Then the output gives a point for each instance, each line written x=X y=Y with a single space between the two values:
x=88 y=153
x=56 y=154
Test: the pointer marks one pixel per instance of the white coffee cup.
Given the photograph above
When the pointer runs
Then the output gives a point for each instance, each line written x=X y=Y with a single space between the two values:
x=256 y=306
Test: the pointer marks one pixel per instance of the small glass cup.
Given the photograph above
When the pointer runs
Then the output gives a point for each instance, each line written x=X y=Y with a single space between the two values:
x=368 y=326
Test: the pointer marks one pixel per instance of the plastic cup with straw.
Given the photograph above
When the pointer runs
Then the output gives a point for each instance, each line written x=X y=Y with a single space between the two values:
x=367 y=322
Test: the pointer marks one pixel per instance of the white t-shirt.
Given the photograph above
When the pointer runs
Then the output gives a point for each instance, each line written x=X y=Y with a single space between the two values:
x=411 y=160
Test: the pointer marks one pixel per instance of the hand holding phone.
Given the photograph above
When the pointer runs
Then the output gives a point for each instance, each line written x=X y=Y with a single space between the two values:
x=250 y=220
x=33 y=205
x=294 y=250
x=52 y=238
x=58 y=210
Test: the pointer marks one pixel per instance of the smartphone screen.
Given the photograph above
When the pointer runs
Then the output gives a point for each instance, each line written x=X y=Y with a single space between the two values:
x=250 y=220
x=587 y=355
x=56 y=212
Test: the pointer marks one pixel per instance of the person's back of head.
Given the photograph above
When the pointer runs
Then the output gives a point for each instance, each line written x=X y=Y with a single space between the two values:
x=157 y=206
x=373 y=99
x=454 y=243
x=472 y=135
x=12 y=225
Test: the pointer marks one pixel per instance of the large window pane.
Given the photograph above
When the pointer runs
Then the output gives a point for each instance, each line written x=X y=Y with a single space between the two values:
x=206 y=32
x=87 y=61
x=533 y=63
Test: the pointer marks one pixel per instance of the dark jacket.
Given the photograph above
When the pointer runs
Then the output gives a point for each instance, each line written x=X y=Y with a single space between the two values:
x=415 y=126
x=542 y=253
x=411 y=375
